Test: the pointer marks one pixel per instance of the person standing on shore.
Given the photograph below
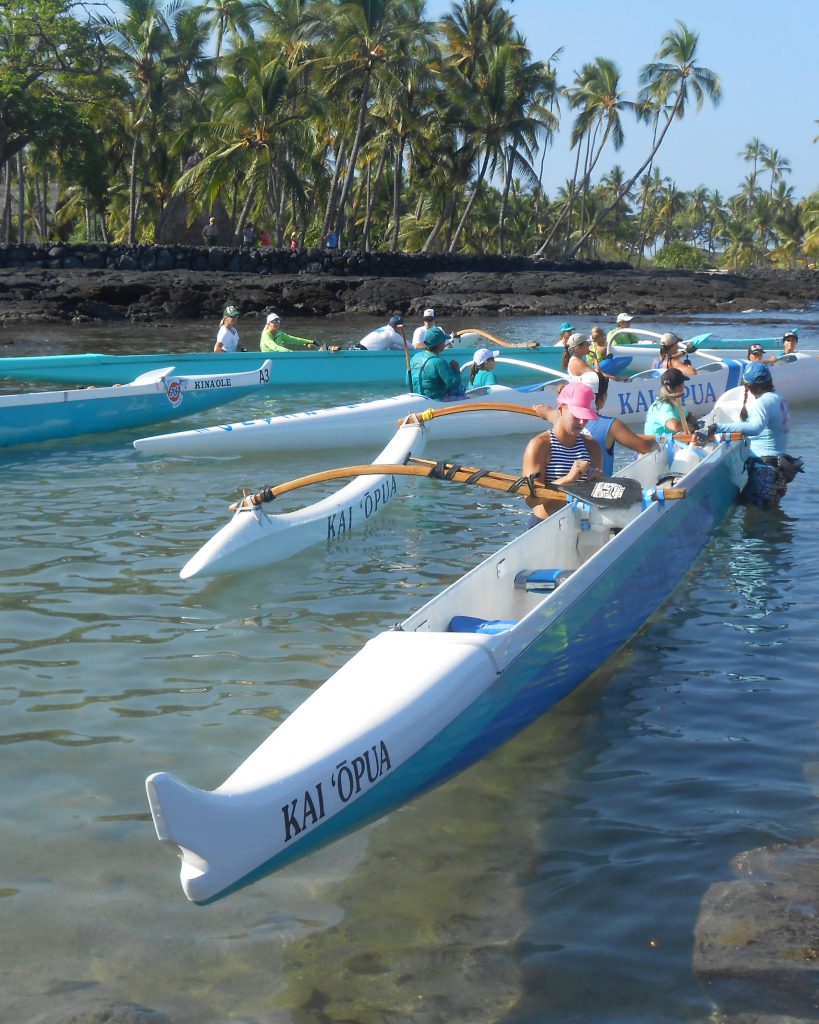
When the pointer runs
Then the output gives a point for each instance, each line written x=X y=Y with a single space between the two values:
x=430 y=374
x=623 y=320
x=210 y=233
x=294 y=242
x=274 y=339
x=227 y=340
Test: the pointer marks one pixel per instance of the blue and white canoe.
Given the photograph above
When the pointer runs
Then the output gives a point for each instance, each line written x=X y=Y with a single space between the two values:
x=464 y=673
x=365 y=423
x=157 y=396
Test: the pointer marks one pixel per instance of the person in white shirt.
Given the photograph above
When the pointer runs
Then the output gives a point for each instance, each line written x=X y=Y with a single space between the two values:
x=227 y=340
x=389 y=337
x=419 y=332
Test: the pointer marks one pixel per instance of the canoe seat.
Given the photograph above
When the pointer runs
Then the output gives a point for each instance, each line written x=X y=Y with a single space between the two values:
x=471 y=624
x=539 y=581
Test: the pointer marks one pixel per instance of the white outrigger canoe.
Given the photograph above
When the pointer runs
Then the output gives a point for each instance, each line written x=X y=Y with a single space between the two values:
x=346 y=426
x=253 y=537
x=464 y=673
x=159 y=395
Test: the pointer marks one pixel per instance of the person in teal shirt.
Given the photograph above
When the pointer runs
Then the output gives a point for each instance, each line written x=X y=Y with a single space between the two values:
x=483 y=369
x=666 y=414
x=431 y=375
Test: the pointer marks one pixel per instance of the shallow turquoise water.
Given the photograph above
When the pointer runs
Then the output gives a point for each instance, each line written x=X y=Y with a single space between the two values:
x=559 y=880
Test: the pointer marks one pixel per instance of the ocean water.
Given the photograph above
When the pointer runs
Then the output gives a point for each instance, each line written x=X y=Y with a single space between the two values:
x=560 y=880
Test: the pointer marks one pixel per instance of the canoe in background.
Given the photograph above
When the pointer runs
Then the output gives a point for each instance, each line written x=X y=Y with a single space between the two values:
x=366 y=423
x=48 y=415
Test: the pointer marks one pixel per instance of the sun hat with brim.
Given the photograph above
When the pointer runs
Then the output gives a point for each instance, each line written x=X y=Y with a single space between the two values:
x=434 y=337
x=756 y=373
x=579 y=398
x=230 y=311
x=483 y=355
x=624 y=318
x=273 y=318
x=429 y=314
x=566 y=326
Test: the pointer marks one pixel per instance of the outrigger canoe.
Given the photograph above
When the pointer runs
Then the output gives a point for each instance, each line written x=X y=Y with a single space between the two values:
x=457 y=678
x=158 y=396
x=363 y=423
x=253 y=537
x=307 y=369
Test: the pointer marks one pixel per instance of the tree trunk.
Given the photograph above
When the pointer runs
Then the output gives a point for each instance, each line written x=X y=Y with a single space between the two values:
x=132 y=191
x=397 y=190
x=470 y=204
x=6 y=202
x=21 y=200
x=359 y=136
x=567 y=209
x=507 y=184
x=330 y=212
x=246 y=208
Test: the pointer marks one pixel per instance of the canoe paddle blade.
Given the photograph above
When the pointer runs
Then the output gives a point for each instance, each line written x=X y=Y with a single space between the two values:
x=607 y=492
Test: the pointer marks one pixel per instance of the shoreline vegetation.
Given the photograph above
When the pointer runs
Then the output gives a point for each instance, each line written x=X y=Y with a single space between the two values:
x=364 y=125
x=76 y=284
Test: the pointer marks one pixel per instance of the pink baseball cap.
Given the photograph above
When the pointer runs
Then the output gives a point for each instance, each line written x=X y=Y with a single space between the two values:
x=580 y=399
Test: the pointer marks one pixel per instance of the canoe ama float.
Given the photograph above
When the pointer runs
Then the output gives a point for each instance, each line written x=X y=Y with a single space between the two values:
x=253 y=538
x=157 y=396
x=464 y=673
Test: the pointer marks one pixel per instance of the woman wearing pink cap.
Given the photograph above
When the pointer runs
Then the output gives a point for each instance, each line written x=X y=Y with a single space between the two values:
x=563 y=454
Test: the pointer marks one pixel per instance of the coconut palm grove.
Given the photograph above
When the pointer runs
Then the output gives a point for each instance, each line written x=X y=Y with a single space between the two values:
x=365 y=122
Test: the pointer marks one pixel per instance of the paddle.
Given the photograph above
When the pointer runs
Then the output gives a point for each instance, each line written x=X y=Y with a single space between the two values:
x=450 y=410
x=611 y=492
x=493 y=339
x=406 y=355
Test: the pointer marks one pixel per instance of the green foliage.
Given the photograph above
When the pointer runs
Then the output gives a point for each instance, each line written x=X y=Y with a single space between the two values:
x=680 y=256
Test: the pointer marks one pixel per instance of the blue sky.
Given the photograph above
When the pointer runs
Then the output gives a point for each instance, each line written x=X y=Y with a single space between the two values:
x=764 y=52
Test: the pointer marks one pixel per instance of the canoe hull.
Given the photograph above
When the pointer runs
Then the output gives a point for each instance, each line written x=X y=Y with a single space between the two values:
x=53 y=415
x=375 y=422
x=452 y=697
x=290 y=369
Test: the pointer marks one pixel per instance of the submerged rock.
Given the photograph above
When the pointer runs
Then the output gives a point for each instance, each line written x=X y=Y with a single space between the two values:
x=756 y=941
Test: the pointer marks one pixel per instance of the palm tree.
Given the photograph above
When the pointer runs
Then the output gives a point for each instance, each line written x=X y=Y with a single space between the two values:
x=360 y=37
x=754 y=152
x=674 y=81
x=777 y=166
x=233 y=17
x=141 y=40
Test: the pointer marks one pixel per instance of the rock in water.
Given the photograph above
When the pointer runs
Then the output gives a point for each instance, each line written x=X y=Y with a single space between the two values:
x=756 y=941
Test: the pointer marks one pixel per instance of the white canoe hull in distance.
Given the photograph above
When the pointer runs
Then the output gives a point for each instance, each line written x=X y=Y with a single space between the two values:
x=365 y=423
x=453 y=681
x=255 y=538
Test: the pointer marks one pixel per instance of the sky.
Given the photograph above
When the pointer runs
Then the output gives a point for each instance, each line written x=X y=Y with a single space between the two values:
x=764 y=52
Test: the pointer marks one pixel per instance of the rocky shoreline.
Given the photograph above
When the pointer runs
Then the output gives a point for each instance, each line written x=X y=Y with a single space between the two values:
x=64 y=292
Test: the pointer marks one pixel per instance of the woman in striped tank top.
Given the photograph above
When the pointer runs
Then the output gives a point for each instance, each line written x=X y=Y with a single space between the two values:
x=563 y=454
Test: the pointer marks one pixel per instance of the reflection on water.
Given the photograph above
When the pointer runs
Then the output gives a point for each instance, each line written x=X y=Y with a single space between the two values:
x=557 y=881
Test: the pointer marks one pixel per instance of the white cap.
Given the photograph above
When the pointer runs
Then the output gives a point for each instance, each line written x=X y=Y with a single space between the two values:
x=482 y=354
x=429 y=314
x=590 y=378
x=624 y=318
x=273 y=318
